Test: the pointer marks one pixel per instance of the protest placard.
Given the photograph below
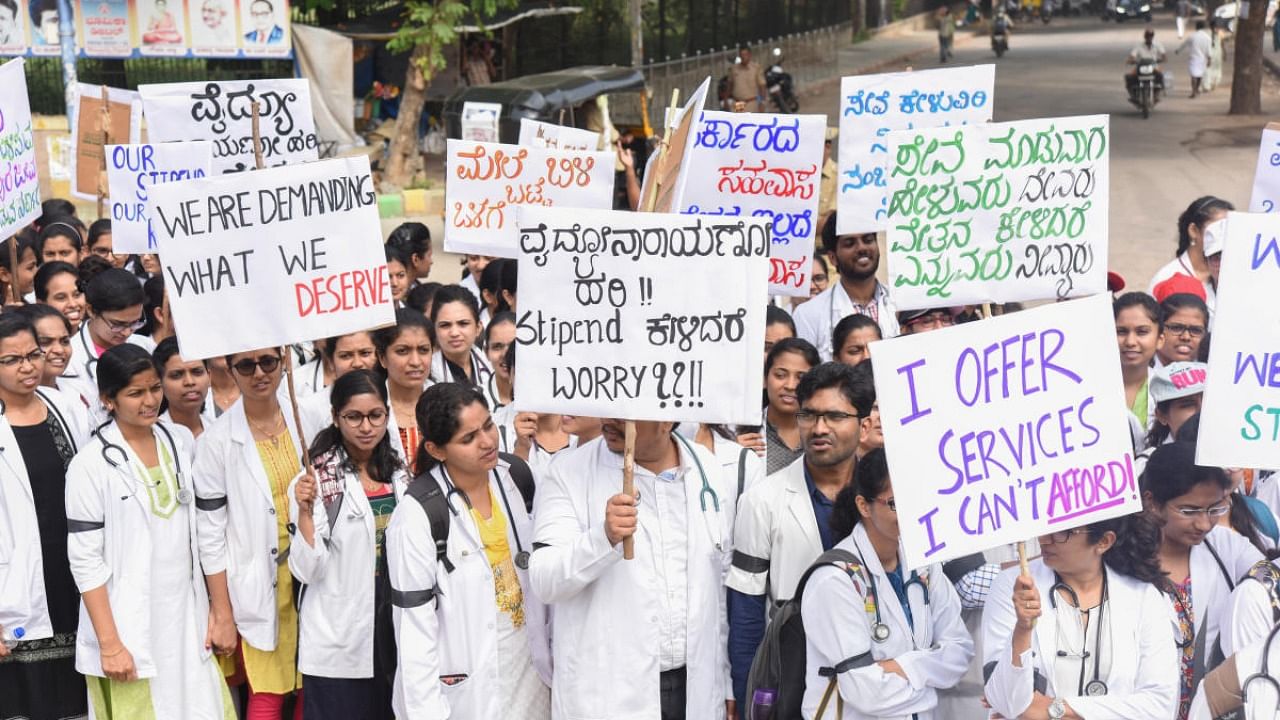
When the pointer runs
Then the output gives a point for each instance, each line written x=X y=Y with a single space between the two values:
x=123 y=126
x=762 y=165
x=611 y=325
x=664 y=177
x=1266 y=178
x=535 y=133
x=272 y=257
x=1240 y=416
x=221 y=112
x=488 y=181
x=131 y=170
x=1002 y=430
x=19 y=179
x=1000 y=212
x=872 y=106
x=480 y=121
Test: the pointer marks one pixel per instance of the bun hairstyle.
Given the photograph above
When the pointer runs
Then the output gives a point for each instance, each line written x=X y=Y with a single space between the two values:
x=439 y=413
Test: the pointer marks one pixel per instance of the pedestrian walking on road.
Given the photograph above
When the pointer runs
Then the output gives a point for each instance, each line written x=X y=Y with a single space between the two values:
x=1200 y=46
x=1181 y=12
x=946 y=33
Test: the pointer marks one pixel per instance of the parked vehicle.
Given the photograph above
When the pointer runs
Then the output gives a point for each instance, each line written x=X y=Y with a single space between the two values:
x=780 y=86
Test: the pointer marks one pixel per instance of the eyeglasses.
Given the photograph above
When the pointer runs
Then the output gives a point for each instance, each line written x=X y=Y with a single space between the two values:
x=32 y=357
x=809 y=417
x=1194 y=331
x=247 y=367
x=933 y=320
x=1057 y=538
x=891 y=502
x=1216 y=511
x=353 y=420
x=119 y=326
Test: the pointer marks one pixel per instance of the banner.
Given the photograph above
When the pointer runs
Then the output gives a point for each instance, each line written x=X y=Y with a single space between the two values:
x=131 y=170
x=1000 y=212
x=19 y=179
x=1266 y=178
x=1005 y=429
x=535 y=133
x=151 y=28
x=123 y=126
x=666 y=169
x=1240 y=416
x=297 y=249
x=221 y=112
x=480 y=121
x=487 y=182
x=872 y=106
x=762 y=165
x=612 y=326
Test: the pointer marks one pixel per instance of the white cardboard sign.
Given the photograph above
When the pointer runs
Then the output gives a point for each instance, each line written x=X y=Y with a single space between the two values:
x=88 y=145
x=221 y=112
x=1266 y=178
x=19 y=177
x=762 y=165
x=612 y=326
x=272 y=257
x=535 y=133
x=872 y=106
x=131 y=169
x=1001 y=430
x=487 y=182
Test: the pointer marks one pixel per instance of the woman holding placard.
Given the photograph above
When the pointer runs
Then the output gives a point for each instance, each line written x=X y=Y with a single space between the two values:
x=40 y=431
x=404 y=351
x=143 y=640
x=1086 y=633
x=880 y=640
x=242 y=471
x=1202 y=559
x=455 y=321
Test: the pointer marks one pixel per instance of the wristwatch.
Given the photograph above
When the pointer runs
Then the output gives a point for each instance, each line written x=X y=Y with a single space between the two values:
x=1057 y=709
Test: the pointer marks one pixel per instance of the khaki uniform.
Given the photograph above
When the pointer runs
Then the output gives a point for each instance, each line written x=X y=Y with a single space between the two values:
x=746 y=82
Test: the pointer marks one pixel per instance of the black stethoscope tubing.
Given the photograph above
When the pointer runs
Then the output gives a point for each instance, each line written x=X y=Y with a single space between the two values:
x=1096 y=687
x=522 y=555
x=185 y=496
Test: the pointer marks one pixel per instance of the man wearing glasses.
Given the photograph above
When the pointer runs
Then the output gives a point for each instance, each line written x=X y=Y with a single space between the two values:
x=783 y=522
x=114 y=302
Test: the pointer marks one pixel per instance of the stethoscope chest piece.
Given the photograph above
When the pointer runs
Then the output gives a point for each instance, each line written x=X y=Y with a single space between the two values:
x=1095 y=688
x=522 y=560
x=880 y=632
x=185 y=497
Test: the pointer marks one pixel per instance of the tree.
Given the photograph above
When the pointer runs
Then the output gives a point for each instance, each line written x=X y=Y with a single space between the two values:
x=429 y=28
x=1246 y=80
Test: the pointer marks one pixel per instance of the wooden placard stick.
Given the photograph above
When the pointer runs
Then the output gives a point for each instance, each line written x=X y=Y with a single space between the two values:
x=257 y=136
x=13 y=269
x=104 y=127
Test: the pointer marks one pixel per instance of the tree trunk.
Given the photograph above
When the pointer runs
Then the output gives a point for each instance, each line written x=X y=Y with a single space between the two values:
x=404 y=159
x=1246 y=80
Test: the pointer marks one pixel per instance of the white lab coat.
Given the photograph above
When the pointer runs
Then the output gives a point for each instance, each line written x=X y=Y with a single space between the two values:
x=480 y=369
x=336 y=612
x=109 y=544
x=238 y=530
x=1210 y=588
x=308 y=378
x=775 y=536
x=455 y=633
x=606 y=610
x=1142 y=679
x=1263 y=696
x=934 y=651
x=23 y=602
x=1249 y=616
x=737 y=466
x=82 y=370
x=818 y=316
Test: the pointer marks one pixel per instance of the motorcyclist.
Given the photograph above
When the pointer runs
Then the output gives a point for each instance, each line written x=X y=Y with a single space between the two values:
x=1001 y=24
x=1149 y=51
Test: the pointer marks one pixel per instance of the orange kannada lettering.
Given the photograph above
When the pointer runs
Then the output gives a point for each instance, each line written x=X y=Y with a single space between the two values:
x=343 y=291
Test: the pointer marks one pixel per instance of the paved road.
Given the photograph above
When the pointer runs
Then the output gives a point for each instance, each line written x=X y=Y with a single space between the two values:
x=1158 y=166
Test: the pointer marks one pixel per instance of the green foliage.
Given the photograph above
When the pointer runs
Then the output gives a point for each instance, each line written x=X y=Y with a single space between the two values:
x=429 y=28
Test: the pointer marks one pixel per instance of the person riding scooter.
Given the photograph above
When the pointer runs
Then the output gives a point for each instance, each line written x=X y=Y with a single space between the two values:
x=1001 y=28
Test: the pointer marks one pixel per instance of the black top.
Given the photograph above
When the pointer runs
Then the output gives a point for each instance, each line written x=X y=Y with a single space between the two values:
x=46 y=458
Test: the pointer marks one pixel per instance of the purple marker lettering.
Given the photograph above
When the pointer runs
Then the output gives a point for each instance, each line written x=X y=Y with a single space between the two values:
x=927 y=521
x=977 y=380
x=1086 y=425
x=1046 y=358
x=1033 y=485
x=1065 y=427
x=916 y=411
x=1006 y=364
x=942 y=455
x=964 y=511
x=1027 y=389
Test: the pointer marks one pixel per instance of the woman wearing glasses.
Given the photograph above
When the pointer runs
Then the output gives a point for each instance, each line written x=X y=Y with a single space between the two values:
x=114 y=303
x=242 y=471
x=405 y=352
x=340 y=513
x=1086 y=634
x=1203 y=560
x=40 y=431
x=473 y=640
x=894 y=637
x=143 y=640
x=1184 y=322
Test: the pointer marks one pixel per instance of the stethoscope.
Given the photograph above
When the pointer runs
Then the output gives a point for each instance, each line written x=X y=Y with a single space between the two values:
x=1095 y=687
x=91 y=359
x=452 y=491
x=1263 y=675
x=713 y=528
x=881 y=632
x=185 y=496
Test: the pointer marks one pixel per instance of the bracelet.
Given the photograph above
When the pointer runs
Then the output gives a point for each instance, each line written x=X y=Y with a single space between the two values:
x=107 y=655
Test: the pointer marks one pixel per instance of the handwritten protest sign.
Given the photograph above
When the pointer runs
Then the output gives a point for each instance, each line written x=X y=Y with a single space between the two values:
x=1240 y=417
x=611 y=326
x=535 y=133
x=1266 y=178
x=762 y=165
x=131 y=170
x=221 y=112
x=488 y=181
x=872 y=106
x=1005 y=429
x=998 y=212
x=297 y=249
x=481 y=121
x=664 y=175
x=123 y=126
x=19 y=183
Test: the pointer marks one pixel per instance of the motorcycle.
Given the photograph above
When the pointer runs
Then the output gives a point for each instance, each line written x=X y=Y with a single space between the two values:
x=779 y=84
x=1000 y=38
x=1146 y=87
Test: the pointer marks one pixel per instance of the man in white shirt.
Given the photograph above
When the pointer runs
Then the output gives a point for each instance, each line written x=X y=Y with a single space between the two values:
x=1200 y=45
x=857 y=258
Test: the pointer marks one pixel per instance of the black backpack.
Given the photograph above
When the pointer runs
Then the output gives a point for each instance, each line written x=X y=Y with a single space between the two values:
x=779 y=664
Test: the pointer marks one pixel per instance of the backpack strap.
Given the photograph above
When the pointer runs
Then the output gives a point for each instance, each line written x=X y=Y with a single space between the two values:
x=848 y=562
x=435 y=504
x=522 y=476
x=1265 y=572
x=742 y=471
